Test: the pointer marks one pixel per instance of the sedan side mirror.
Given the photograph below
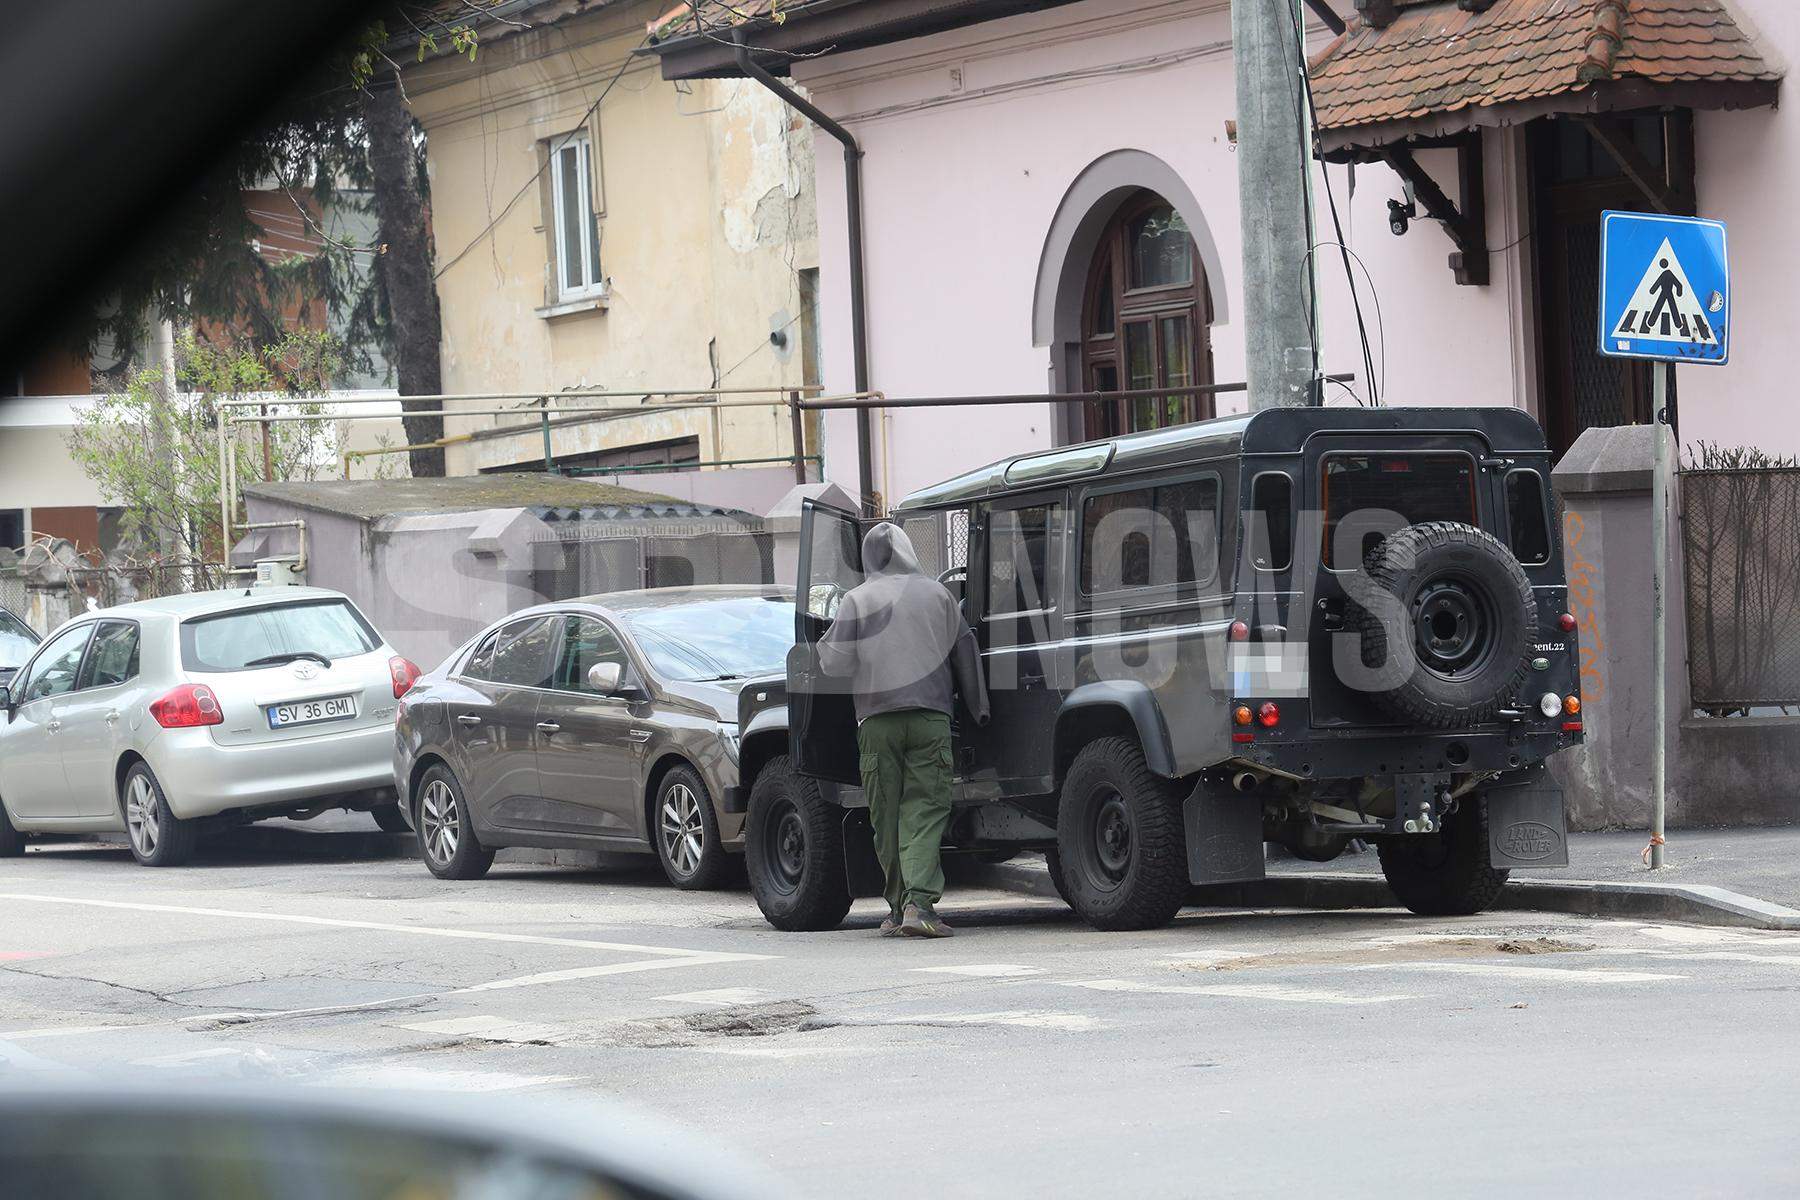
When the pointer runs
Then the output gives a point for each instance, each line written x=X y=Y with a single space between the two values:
x=6 y=700
x=604 y=677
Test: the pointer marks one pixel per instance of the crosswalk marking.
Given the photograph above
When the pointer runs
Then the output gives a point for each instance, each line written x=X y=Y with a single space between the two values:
x=1238 y=991
x=495 y=1029
x=1507 y=971
x=719 y=997
x=983 y=970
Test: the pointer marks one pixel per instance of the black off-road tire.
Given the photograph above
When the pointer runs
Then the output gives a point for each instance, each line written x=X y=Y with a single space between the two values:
x=1445 y=874
x=1053 y=861
x=170 y=842
x=1444 y=567
x=12 y=842
x=391 y=818
x=713 y=868
x=447 y=840
x=1119 y=839
x=794 y=850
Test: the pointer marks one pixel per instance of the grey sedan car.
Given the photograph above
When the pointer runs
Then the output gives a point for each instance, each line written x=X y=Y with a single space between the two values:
x=608 y=723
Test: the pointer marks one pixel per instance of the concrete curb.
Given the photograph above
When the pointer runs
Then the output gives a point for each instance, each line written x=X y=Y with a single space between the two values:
x=1691 y=904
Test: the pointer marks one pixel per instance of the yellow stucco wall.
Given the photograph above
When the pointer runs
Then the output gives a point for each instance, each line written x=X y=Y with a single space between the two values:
x=707 y=218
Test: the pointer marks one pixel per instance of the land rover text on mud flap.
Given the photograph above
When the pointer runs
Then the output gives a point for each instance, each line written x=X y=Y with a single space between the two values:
x=1304 y=625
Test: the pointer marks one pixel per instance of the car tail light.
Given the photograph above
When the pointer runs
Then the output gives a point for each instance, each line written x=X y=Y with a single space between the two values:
x=1571 y=727
x=1242 y=714
x=1269 y=715
x=1572 y=705
x=405 y=673
x=1243 y=738
x=1566 y=622
x=187 y=707
x=1240 y=632
x=1550 y=704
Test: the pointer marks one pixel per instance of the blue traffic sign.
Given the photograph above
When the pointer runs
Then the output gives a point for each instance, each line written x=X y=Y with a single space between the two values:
x=1665 y=288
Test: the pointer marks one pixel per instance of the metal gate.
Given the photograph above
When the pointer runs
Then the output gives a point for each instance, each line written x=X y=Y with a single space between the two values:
x=1740 y=533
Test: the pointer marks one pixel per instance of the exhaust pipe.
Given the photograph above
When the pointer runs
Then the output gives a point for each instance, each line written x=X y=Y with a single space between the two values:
x=1245 y=781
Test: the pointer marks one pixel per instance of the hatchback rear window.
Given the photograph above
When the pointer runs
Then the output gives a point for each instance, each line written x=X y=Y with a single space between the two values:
x=1419 y=487
x=259 y=637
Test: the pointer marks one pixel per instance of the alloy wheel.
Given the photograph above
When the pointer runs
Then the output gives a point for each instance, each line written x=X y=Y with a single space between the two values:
x=683 y=829
x=440 y=821
x=140 y=815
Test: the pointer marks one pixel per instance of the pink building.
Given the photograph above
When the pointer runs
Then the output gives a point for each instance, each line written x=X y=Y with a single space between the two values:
x=1050 y=204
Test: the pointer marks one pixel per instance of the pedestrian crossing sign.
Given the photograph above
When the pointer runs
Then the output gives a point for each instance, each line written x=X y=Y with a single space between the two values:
x=1665 y=288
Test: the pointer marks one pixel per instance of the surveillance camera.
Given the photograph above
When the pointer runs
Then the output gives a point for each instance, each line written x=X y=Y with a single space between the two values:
x=1399 y=217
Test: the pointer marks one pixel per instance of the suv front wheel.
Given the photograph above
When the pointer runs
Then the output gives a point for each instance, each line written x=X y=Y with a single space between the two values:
x=794 y=849
x=1444 y=874
x=1119 y=840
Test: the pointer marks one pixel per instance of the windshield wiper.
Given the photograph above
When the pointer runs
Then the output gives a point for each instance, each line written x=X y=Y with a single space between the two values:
x=276 y=660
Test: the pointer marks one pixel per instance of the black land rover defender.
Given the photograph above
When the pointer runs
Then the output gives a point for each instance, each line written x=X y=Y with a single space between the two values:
x=1304 y=625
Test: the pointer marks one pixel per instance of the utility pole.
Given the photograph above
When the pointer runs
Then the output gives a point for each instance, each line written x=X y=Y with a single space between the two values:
x=162 y=421
x=1275 y=199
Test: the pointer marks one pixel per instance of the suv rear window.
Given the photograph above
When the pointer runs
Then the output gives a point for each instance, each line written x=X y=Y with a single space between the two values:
x=232 y=641
x=1168 y=534
x=1419 y=487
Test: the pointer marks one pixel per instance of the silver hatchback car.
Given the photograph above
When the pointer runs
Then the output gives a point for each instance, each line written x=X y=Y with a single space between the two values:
x=163 y=717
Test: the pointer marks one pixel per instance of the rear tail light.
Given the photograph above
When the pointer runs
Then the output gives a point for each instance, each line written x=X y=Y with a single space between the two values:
x=187 y=707
x=1550 y=704
x=1242 y=714
x=1240 y=632
x=1269 y=715
x=1572 y=705
x=405 y=673
x=1571 y=726
x=1566 y=622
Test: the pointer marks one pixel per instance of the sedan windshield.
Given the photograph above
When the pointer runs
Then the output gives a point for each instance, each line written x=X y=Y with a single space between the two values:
x=263 y=637
x=715 y=639
x=16 y=642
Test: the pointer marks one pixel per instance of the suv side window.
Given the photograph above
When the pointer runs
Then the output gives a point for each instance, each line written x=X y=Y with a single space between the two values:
x=1158 y=536
x=113 y=658
x=1526 y=525
x=1021 y=548
x=54 y=672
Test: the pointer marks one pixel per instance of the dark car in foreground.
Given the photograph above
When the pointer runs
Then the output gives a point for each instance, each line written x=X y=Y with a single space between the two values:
x=607 y=723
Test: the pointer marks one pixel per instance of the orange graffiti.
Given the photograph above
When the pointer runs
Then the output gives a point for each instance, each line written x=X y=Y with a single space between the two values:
x=1584 y=596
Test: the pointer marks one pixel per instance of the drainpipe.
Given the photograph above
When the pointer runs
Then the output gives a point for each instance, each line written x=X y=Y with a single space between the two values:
x=859 y=338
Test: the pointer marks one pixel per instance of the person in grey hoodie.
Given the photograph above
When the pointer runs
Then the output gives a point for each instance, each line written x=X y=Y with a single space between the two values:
x=902 y=641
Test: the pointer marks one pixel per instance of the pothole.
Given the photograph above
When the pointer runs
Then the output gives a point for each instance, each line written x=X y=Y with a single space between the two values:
x=1434 y=950
x=741 y=1021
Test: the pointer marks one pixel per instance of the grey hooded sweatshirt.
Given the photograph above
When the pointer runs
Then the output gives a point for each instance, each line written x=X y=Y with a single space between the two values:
x=900 y=636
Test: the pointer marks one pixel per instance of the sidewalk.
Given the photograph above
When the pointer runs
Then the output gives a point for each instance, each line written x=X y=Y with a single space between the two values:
x=1763 y=863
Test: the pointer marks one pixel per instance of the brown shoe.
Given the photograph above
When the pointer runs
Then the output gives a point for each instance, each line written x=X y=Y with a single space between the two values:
x=921 y=921
x=890 y=924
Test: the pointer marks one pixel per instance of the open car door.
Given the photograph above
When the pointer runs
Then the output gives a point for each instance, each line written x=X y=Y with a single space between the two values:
x=821 y=710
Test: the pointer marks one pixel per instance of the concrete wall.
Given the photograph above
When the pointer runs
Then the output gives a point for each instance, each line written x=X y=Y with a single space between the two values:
x=975 y=139
x=707 y=218
x=1721 y=771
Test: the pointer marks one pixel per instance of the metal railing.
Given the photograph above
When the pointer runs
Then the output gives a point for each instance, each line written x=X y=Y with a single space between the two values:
x=1740 y=538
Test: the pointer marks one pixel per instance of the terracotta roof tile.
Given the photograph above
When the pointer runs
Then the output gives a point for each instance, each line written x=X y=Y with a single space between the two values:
x=1436 y=58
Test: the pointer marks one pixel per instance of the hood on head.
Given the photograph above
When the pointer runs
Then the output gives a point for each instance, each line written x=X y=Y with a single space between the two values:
x=886 y=550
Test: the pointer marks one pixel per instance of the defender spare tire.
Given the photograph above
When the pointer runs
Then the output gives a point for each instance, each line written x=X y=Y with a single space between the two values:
x=1470 y=615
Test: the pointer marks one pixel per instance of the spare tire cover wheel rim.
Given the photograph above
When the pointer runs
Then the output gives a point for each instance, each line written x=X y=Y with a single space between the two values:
x=1453 y=625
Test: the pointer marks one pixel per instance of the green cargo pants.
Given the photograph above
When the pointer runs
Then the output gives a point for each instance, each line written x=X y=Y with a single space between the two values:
x=906 y=776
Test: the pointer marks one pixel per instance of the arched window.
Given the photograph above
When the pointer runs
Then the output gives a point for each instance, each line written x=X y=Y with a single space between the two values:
x=1145 y=322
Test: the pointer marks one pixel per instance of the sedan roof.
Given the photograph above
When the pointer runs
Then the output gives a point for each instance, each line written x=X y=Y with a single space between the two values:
x=649 y=598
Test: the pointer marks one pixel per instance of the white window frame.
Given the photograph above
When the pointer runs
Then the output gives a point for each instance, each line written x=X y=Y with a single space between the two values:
x=588 y=287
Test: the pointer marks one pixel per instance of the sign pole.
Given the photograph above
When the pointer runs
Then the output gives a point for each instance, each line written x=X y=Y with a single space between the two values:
x=1664 y=374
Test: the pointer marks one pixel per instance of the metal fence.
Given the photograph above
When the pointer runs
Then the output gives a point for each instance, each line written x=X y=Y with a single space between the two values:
x=12 y=594
x=1740 y=532
x=584 y=559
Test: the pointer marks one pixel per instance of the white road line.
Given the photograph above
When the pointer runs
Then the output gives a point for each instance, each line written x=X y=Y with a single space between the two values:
x=26 y=1035
x=1238 y=991
x=1505 y=971
x=718 y=997
x=387 y=1075
x=694 y=959
x=1068 y=1022
x=1778 y=960
x=496 y=1029
x=484 y=935
x=983 y=970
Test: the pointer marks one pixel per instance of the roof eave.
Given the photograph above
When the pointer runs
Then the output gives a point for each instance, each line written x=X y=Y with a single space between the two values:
x=826 y=27
x=1346 y=143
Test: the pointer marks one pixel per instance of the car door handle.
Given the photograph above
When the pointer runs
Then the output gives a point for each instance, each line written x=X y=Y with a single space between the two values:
x=112 y=718
x=52 y=726
x=548 y=726
x=467 y=719
x=1030 y=680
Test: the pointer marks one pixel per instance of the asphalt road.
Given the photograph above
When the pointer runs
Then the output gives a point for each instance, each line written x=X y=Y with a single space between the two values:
x=1235 y=1053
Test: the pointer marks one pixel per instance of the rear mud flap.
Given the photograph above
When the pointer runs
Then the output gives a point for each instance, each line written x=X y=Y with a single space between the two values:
x=862 y=870
x=1527 y=824
x=1224 y=836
